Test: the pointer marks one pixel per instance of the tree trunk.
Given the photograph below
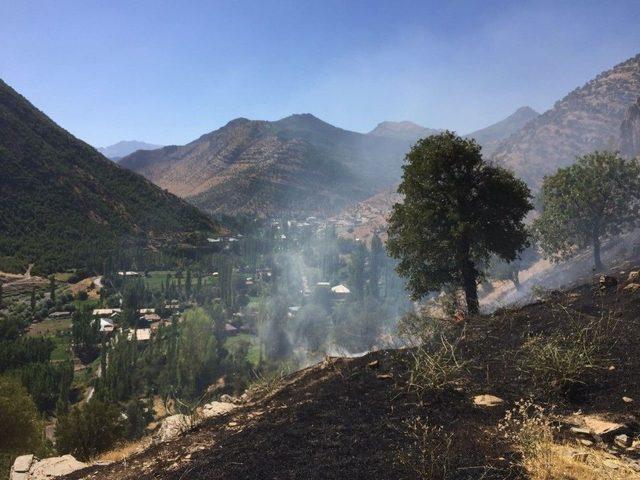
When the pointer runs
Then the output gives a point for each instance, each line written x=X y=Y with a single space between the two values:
x=470 y=284
x=596 y=254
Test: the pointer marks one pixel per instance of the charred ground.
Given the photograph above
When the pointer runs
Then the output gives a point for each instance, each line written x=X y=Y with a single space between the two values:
x=348 y=418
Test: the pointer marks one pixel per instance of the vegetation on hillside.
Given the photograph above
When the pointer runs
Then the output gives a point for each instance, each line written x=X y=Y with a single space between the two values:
x=64 y=205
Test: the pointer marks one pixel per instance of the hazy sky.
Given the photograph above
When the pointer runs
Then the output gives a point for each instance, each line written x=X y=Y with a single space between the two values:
x=167 y=72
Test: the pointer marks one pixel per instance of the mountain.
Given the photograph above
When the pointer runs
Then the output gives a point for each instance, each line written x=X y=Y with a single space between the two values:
x=124 y=148
x=402 y=130
x=298 y=163
x=630 y=131
x=589 y=118
x=489 y=137
x=63 y=203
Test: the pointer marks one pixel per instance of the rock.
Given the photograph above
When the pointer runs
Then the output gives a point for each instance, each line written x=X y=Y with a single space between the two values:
x=585 y=442
x=229 y=399
x=627 y=399
x=214 y=409
x=634 y=276
x=173 y=426
x=374 y=364
x=580 y=431
x=608 y=281
x=623 y=441
x=27 y=467
x=384 y=376
x=632 y=287
x=487 y=400
x=603 y=428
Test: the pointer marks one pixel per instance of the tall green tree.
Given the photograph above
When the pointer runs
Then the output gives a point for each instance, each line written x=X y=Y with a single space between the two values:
x=593 y=199
x=357 y=273
x=457 y=212
x=52 y=287
x=376 y=263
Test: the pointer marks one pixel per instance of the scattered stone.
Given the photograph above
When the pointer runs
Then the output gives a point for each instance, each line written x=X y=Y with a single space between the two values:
x=580 y=456
x=623 y=441
x=487 y=400
x=580 y=431
x=373 y=365
x=384 y=376
x=608 y=281
x=627 y=399
x=632 y=287
x=585 y=442
x=233 y=424
x=634 y=276
x=229 y=399
x=610 y=464
x=612 y=368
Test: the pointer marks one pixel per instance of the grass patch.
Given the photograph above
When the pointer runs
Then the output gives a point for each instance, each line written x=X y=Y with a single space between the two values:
x=49 y=326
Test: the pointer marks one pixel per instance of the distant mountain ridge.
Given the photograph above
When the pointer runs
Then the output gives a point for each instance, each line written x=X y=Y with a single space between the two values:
x=295 y=164
x=124 y=148
x=489 y=137
x=404 y=130
x=298 y=163
x=587 y=119
x=64 y=204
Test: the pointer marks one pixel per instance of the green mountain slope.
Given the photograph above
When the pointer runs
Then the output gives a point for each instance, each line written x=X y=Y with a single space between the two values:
x=62 y=203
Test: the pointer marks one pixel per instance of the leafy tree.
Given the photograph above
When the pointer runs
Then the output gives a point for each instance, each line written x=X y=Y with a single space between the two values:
x=197 y=353
x=89 y=430
x=595 y=198
x=33 y=301
x=457 y=211
x=312 y=327
x=21 y=427
x=357 y=272
x=376 y=263
x=502 y=270
x=52 y=287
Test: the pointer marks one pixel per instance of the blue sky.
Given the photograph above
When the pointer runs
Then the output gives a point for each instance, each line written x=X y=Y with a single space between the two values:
x=166 y=72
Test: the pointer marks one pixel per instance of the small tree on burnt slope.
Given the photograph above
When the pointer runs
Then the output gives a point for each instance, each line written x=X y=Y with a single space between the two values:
x=457 y=212
x=592 y=199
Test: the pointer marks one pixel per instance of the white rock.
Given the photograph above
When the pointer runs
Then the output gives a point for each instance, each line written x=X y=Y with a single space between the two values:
x=173 y=426
x=216 y=408
x=487 y=400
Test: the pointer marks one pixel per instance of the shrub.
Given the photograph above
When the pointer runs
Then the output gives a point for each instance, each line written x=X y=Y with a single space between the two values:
x=89 y=430
x=531 y=432
x=563 y=363
x=428 y=452
x=435 y=367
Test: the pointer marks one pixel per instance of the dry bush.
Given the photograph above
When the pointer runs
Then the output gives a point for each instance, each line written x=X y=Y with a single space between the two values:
x=428 y=451
x=435 y=366
x=531 y=431
x=563 y=362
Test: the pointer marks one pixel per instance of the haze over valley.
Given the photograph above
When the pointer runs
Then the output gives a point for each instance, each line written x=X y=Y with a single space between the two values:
x=368 y=240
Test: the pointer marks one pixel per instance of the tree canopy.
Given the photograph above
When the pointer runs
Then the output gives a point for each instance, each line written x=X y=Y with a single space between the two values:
x=457 y=212
x=590 y=200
